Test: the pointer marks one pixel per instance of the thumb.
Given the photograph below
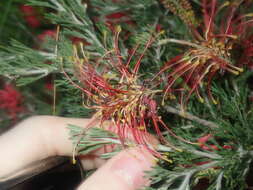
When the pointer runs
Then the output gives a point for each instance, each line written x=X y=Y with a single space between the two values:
x=125 y=171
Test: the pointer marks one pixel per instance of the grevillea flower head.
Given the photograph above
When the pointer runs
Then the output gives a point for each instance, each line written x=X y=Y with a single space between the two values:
x=246 y=50
x=30 y=16
x=46 y=34
x=27 y=10
x=117 y=93
x=117 y=18
x=210 y=53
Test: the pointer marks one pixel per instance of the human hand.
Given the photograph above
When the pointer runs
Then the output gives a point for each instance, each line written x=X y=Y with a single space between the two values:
x=44 y=136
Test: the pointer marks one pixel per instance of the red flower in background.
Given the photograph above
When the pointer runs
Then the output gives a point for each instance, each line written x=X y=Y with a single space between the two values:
x=210 y=147
x=47 y=34
x=10 y=101
x=49 y=85
x=52 y=34
x=27 y=10
x=30 y=16
x=202 y=142
x=247 y=54
x=118 y=18
x=32 y=21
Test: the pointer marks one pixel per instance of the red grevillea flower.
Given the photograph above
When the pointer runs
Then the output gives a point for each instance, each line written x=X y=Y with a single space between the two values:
x=10 y=101
x=30 y=16
x=32 y=21
x=47 y=34
x=118 y=94
x=203 y=143
x=203 y=140
x=27 y=10
x=247 y=52
x=117 y=18
x=210 y=54
x=52 y=34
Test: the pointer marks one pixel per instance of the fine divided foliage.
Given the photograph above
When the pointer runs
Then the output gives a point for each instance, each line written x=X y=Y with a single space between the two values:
x=180 y=70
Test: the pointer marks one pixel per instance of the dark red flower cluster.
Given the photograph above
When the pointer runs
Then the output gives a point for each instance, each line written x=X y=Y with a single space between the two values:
x=11 y=101
x=46 y=34
x=247 y=53
x=116 y=18
x=117 y=93
x=30 y=16
x=204 y=145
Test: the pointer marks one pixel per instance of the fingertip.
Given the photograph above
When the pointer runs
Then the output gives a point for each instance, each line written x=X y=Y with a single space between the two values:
x=125 y=171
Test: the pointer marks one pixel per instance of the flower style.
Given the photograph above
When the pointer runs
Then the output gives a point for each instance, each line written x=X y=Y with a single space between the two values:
x=30 y=16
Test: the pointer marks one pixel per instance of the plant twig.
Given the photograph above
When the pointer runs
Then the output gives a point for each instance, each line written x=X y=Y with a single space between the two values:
x=191 y=117
x=182 y=42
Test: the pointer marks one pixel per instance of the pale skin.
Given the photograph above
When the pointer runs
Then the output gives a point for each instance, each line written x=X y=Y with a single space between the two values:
x=41 y=137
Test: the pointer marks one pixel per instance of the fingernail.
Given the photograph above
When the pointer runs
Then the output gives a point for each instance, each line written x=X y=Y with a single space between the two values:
x=130 y=167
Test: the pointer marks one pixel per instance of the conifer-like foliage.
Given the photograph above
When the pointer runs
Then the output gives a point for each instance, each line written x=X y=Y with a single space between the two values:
x=181 y=70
